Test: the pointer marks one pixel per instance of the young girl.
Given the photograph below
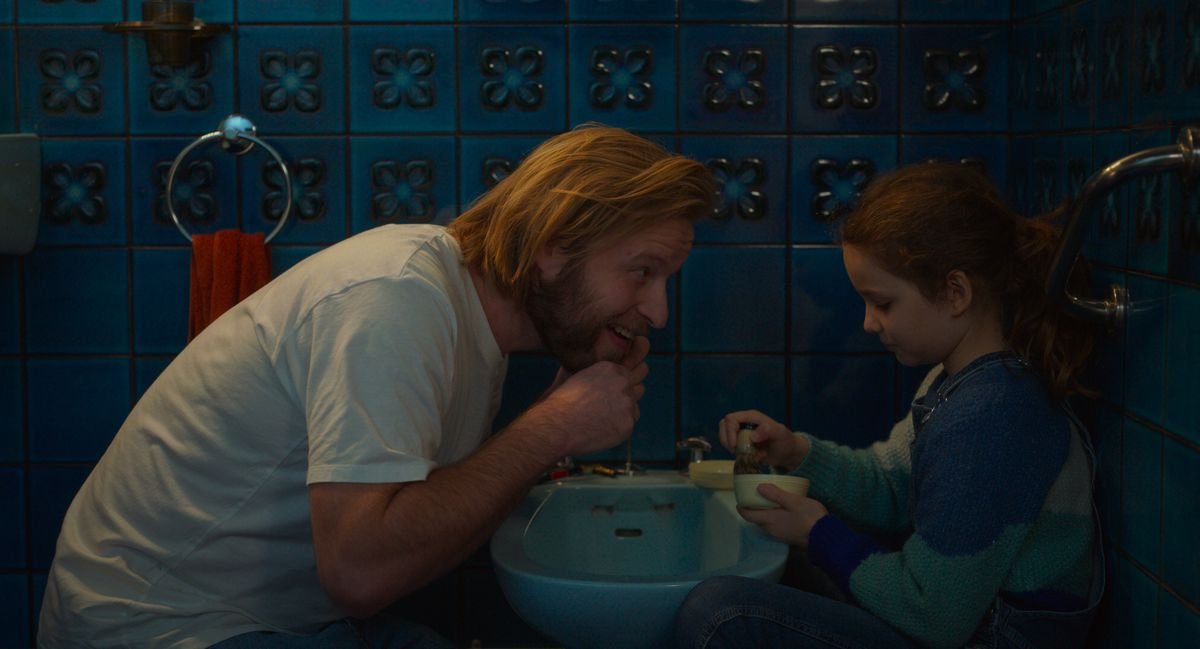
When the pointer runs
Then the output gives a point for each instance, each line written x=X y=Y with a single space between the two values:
x=987 y=481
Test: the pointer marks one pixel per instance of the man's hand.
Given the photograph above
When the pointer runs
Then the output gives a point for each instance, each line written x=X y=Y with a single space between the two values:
x=595 y=408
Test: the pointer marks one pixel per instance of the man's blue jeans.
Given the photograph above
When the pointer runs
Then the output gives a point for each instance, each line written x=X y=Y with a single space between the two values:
x=742 y=613
x=384 y=631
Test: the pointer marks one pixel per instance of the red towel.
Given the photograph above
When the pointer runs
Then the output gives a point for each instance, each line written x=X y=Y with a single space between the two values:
x=226 y=268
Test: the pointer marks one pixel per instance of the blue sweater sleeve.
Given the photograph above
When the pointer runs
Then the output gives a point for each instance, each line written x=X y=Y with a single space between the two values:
x=838 y=550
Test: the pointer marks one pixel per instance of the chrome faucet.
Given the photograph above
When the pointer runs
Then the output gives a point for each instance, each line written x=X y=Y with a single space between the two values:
x=697 y=446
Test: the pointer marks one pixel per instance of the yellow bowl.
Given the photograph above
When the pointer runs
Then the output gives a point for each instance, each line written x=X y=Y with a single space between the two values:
x=713 y=474
x=745 y=488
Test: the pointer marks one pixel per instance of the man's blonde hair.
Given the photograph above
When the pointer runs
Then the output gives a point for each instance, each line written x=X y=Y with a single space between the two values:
x=577 y=191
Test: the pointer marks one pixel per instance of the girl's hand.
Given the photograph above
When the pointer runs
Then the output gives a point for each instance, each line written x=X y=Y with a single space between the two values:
x=792 y=522
x=775 y=443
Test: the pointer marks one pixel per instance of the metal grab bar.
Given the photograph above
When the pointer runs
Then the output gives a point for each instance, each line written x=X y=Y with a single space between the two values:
x=238 y=135
x=1183 y=157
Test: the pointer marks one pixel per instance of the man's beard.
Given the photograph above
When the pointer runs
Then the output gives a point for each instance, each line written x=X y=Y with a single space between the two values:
x=563 y=315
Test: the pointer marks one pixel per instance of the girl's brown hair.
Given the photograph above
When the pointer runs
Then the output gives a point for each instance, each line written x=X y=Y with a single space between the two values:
x=925 y=220
x=578 y=191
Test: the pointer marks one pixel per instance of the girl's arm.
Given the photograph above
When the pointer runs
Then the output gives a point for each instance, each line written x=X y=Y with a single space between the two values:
x=980 y=480
x=869 y=487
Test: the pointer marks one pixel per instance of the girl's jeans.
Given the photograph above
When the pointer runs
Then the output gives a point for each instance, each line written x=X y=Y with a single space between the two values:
x=383 y=631
x=743 y=613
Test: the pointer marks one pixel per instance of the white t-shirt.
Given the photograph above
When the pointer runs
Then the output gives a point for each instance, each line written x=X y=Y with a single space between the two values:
x=371 y=361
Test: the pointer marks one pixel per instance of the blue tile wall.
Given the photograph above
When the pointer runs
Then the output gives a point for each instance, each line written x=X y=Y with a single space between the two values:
x=12 y=411
x=408 y=111
x=10 y=304
x=8 y=90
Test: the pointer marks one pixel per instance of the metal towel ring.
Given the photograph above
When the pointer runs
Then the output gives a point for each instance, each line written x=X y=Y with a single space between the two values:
x=231 y=131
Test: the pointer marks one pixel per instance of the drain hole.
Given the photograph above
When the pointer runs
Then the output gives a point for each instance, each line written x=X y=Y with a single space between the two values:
x=603 y=510
x=665 y=507
x=627 y=532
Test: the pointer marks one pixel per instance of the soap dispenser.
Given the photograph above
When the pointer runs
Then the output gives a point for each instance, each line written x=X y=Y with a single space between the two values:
x=20 y=191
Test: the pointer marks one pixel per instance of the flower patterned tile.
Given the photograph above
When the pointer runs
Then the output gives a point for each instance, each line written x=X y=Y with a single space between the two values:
x=1077 y=165
x=1115 y=79
x=1151 y=214
x=828 y=393
x=318 y=182
x=747 y=10
x=733 y=300
x=1080 y=72
x=1042 y=40
x=72 y=81
x=619 y=10
x=1184 y=237
x=1046 y=185
x=987 y=153
x=827 y=314
x=76 y=301
x=402 y=79
x=623 y=76
x=845 y=10
x=512 y=80
x=1155 y=64
x=390 y=11
x=83 y=192
x=716 y=385
x=845 y=78
x=730 y=79
x=829 y=173
x=100 y=399
x=486 y=160
x=1022 y=55
x=204 y=194
x=1107 y=237
x=1184 y=83
x=189 y=100
x=956 y=79
x=292 y=79
x=751 y=173
x=401 y=180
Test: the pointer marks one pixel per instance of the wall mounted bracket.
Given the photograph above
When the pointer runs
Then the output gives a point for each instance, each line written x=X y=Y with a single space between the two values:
x=172 y=31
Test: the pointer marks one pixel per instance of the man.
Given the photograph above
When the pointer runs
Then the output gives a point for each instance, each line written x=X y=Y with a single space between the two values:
x=321 y=449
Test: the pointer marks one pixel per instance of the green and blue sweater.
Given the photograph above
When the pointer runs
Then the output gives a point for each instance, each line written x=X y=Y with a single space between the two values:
x=993 y=490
